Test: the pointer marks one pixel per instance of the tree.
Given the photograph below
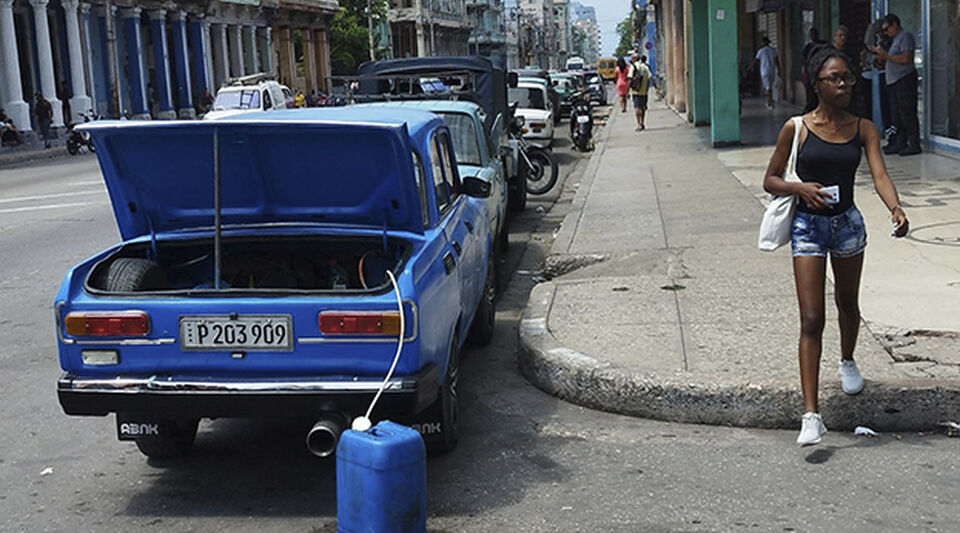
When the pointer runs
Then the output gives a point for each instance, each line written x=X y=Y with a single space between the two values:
x=625 y=46
x=349 y=38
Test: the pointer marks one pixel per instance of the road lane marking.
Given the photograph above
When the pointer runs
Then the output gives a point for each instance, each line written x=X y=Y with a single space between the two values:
x=47 y=196
x=42 y=207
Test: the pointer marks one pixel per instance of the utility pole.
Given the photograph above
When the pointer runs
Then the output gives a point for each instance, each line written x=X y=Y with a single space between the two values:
x=370 y=28
x=114 y=108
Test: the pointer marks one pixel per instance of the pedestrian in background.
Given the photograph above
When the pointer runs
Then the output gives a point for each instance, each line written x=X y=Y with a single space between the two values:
x=827 y=222
x=639 y=75
x=623 y=86
x=44 y=112
x=300 y=100
x=769 y=68
x=902 y=84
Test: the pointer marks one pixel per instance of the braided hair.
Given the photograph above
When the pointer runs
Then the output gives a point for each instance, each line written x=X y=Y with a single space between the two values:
x=820 y=56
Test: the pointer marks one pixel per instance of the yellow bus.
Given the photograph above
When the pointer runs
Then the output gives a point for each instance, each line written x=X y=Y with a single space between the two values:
x=607 y=68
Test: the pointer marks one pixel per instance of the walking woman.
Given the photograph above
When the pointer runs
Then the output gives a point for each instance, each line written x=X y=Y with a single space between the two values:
x=827 y=221
x=623 y=85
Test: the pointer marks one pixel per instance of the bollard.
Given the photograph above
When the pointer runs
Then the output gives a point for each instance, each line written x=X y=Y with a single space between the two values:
x=381 y=480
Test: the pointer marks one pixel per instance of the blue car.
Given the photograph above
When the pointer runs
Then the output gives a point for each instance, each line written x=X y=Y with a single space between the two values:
x=255 y=276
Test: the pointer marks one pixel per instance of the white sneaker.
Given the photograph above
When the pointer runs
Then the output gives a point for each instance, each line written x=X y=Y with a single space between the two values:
x=811 y=429
x=850 y=377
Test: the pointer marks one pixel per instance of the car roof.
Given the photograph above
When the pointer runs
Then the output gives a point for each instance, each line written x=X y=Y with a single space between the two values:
x=434 y=106
x=530 y=85
x=415 y=119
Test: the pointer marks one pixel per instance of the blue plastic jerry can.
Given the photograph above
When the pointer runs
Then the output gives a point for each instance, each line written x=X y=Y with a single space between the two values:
x=382 y=480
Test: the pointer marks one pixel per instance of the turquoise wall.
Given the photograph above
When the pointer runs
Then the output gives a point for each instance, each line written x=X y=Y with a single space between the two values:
x=724 y=79
x=698 y=60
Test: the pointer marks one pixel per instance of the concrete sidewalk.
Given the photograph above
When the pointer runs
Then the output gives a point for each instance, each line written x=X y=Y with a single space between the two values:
x=660 y=305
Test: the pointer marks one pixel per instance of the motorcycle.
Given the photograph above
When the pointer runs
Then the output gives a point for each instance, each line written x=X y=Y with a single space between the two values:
x=581 y=122
x=538 y=165
x=76 y=140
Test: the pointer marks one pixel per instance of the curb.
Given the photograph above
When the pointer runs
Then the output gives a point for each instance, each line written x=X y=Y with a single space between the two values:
x=583 y=380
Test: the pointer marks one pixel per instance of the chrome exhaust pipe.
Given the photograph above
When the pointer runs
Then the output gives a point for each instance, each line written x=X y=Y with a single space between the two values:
x=323 y=436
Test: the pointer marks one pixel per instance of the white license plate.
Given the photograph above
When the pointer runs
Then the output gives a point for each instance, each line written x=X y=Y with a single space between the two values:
x=583 y=119
x=236 y=332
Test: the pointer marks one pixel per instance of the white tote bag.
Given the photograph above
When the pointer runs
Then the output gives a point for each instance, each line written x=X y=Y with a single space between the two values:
x=777 y=219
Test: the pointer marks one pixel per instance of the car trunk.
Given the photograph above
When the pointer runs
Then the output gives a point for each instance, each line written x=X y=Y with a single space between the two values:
x=251 y=264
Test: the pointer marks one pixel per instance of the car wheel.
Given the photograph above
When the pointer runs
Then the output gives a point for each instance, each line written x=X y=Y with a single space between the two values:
x=175 y=440
x=446 y=441
x=129 y=274
x=481 y=331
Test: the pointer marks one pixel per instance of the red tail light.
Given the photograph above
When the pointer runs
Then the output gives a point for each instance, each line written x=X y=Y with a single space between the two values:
x=108 y=323
x=359 y=323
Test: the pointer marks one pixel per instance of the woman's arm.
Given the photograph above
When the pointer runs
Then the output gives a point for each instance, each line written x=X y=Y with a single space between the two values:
x=773 y=182
x=881 y=180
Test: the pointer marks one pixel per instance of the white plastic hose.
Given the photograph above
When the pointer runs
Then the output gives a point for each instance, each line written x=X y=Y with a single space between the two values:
x=362 y=423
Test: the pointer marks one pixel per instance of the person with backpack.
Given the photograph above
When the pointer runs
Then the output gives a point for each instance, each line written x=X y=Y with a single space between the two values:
x=639 y=76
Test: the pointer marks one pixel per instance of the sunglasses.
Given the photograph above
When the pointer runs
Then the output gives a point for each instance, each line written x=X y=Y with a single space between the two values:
x=835 y=80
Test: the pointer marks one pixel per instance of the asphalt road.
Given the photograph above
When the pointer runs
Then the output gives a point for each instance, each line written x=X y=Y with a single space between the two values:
x=526 y=461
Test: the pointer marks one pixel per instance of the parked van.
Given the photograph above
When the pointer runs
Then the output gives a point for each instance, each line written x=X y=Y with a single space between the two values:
x=256 y=92
x=575 y=63
x=607 y=67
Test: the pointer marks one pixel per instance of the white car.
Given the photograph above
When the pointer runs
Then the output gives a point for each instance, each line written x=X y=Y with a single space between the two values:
x=532 y=104
x=256 y=92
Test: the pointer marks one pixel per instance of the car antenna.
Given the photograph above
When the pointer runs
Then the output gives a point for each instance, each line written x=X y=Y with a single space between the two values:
x=216 y=208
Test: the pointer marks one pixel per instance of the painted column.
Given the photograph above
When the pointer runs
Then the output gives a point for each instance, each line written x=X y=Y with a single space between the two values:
x=221 y=67
x=266 y=50
x=236 y=51
x=87 y=54
x=181 y=66
x=286 y=57
x=322 y=41
x=724 y=90
x=309 y=60
x=80 y=102
x=15 y=107
x=139 y=105
x=699 y=63
x=48 y=83
x=208 y=55
x=250 y=49
x=671 y=56
x=161 y=64
x=680 y=58
x=200 y=57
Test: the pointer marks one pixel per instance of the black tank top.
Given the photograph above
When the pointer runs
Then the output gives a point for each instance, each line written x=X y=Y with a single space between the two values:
x=830 y=164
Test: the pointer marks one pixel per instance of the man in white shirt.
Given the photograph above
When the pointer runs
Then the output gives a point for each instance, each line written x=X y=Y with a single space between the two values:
x=769 y=68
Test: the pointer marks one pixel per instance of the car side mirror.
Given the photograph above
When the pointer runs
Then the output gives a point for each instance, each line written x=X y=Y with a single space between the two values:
x=475 y=187
x=519 y=121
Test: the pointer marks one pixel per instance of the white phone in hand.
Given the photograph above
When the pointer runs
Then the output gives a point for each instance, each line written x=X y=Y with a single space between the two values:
x=834 y=192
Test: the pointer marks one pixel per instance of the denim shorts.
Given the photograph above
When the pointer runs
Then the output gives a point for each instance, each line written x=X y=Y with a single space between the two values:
x=842 y=235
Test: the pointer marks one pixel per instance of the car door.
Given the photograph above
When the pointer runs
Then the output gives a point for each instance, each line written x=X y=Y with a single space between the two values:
x=464 y=221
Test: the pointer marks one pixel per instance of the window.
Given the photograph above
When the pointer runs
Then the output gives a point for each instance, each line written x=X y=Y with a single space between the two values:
x=527 y=97
x=439 y=185
x=267 y=103
x=465 y=141
x=421 y=187
x=944 y=68
x=451 y=176
x=245 y=99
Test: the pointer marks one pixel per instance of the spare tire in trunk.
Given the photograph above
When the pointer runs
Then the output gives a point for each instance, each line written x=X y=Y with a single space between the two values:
x=129 y=274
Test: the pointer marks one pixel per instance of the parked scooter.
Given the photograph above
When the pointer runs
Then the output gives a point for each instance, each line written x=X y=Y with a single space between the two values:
x=581 y=122
x=537 y=165
x=77 y=140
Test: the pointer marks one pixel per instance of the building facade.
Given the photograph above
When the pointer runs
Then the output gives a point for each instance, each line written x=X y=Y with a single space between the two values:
x=488 y=36
x=151 y=60
x=589 y=50
x=420 y=28
x=561 y=30
x=708 y=45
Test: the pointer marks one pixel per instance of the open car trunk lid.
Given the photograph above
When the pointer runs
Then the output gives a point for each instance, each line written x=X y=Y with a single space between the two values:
x=274 y=169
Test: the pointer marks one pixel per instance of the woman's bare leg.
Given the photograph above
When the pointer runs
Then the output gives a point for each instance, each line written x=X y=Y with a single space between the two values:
x=846 y=274
x=809 y=273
